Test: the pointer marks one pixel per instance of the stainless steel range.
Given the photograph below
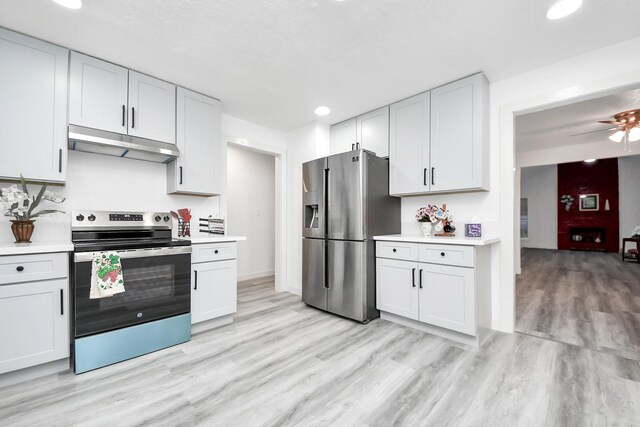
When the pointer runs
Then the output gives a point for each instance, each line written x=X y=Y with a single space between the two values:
x=154 y=310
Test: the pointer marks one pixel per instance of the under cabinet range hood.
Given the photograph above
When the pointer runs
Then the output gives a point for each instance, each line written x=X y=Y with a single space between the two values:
x=119 y=145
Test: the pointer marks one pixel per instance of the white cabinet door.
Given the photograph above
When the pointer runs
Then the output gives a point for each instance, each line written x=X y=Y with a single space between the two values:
x=97 y=94
x=198 y=139
x=152 y=108
x=214 y=290
x=34 y=323
x=447 y=297
x=409 y=146
x=373 y=131
x=396 y=287
x=459 y=130
x=33 y=108
x=343 y=136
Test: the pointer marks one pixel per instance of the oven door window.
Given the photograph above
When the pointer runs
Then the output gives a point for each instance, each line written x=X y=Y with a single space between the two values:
x=155 y=288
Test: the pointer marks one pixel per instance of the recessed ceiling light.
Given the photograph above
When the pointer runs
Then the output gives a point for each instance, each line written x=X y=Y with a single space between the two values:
x=322 y=110
x=563 y=8
x=70 y=4
x=590 y=160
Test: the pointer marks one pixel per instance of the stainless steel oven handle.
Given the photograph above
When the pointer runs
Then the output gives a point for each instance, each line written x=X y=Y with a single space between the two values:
x=137 y=253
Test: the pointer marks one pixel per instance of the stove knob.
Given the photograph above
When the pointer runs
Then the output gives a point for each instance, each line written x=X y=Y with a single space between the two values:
x=91 y=217
x=80 y=217
x=167 y=218
x=157 y=218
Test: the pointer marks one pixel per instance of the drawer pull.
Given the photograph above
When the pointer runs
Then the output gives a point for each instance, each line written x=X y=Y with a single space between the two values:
x=441 y=253
x=215 y=252
x=394 y=250
x=19 y=268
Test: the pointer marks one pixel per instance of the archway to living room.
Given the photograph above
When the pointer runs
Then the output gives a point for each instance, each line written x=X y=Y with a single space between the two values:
x=579 y=220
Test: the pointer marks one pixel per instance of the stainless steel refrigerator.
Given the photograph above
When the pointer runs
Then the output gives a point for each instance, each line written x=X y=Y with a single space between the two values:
x=346 y=202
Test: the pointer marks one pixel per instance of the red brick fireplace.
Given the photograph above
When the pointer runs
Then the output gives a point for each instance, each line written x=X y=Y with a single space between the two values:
x=589 y=230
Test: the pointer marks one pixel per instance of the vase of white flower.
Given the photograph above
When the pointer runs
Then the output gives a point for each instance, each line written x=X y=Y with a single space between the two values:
x=20 y=205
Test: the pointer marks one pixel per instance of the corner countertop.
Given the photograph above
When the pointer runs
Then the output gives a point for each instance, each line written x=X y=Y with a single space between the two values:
x=215 y=239
x=8 y=248
x=456 y=240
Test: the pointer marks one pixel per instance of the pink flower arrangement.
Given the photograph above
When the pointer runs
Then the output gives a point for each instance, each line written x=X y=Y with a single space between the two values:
x=427 y=214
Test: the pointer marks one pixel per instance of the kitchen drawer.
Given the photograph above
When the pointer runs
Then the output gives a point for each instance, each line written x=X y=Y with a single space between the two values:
x=205 y=252
x=397 y=250
x=28 y=268
x=447 y=254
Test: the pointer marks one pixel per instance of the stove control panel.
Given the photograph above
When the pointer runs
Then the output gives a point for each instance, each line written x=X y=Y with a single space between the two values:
x=102 y=220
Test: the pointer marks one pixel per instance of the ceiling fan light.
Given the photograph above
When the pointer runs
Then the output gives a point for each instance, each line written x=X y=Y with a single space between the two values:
x=617 y=137
x=634 y=134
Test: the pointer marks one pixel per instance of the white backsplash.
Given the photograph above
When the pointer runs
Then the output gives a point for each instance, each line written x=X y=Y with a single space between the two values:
x=96 y=182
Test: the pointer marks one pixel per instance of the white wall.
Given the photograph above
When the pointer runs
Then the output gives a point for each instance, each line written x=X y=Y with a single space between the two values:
x=540 y=186
x=304 y=144
x=251 y=210
x=629 y=178
x=111 y=183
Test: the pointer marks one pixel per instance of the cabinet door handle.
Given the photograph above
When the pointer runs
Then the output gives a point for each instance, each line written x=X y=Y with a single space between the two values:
x=353 y=147
x=133 y=117
x=61 y=302
x=424 y=176
x=195 y=284
x=420 y=278
x=19 y=268
x=413 y=277
x=124 y=111
x=433 y=176
x=180 y=175
x=357 y=145
x=60 y=160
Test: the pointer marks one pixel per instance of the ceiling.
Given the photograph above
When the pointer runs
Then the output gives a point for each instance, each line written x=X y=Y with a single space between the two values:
x=554 y=127
x=272 y=62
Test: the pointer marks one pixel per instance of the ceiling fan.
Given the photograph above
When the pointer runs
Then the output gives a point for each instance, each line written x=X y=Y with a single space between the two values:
x=627 y=127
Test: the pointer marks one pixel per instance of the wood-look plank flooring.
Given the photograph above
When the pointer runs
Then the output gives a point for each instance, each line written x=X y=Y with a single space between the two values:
x=282 y=363
x=589 y=299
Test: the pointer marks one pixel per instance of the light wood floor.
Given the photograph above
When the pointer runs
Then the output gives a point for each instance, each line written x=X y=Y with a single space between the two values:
x=588 y=299
x=284 y=364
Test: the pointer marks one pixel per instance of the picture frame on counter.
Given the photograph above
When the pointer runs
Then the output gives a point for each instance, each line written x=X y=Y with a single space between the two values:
x=473 y=230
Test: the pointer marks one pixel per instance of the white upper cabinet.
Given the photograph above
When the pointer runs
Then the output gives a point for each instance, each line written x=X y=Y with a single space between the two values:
x=152 y=108
x=112 y=98
x=98 y=94
x=369 y=131
x=409 y=146
x=198 y=139
x=33 y=108
x=459 y=135
x=373 y=131
x=343 y=136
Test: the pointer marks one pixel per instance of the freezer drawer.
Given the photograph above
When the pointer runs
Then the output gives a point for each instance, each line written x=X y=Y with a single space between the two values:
x=314 y=292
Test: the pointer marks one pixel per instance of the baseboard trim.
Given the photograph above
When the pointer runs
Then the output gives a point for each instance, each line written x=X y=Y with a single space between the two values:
x=259 y=275
x=34 y=372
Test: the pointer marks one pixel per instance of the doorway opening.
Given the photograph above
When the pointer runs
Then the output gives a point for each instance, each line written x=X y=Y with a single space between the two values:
x=577 y=203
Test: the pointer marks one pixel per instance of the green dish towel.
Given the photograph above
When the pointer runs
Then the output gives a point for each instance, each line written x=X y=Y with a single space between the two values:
x=106 y=275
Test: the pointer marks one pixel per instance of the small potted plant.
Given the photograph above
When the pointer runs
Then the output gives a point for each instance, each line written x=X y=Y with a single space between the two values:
x=426 y=216
x=19 y=204
x=567 y=200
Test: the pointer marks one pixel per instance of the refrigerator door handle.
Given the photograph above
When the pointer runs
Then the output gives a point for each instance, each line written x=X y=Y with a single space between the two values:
x=325 y=272
x=326 y=202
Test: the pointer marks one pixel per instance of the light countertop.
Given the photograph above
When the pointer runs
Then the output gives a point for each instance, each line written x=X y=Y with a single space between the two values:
x=8 y=248
x=456 y=240
x=215 y=239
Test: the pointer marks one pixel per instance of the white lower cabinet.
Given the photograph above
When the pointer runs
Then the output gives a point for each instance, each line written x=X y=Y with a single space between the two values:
x=34 y=316
x=397 y=291
x=213 y=282
x=448 y=295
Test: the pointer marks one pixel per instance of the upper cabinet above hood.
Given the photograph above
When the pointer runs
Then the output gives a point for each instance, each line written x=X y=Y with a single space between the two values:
x=119 y=112
x=115 y=144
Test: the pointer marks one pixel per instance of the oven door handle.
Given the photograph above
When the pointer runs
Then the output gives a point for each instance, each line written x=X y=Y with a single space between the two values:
x=136 y=253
